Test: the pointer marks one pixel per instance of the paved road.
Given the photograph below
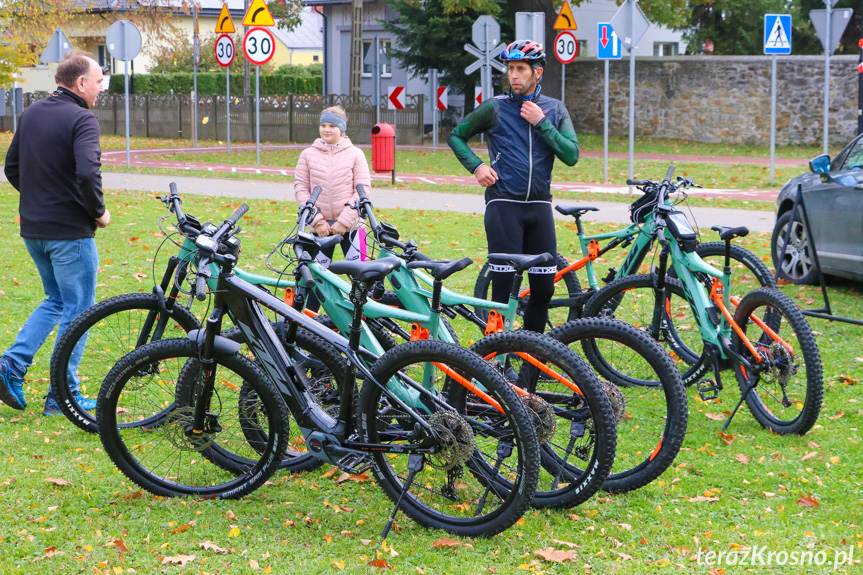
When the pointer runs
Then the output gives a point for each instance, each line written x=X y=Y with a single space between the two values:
x=138 y=159
x=610 y=212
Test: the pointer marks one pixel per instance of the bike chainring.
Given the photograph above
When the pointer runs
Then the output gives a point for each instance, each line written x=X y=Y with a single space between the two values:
x=543 y=417
x=455 y=440
x=617 y=399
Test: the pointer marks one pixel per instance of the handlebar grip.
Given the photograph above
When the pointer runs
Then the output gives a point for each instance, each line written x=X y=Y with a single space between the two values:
x=669 y=174
x=308 y=280
x=361 y=191
x=316 y=193
x=173 y=188
x=201 y=288
x=636 y=182
x=235 y=217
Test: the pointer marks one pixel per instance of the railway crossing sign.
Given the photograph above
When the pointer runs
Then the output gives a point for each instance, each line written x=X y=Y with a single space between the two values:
x=777 y=33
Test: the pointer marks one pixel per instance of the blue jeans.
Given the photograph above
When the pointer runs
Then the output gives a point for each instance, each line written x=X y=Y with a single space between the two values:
x=68 y=269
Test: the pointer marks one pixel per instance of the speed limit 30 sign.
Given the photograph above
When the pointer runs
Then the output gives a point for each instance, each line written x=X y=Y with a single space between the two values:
x=259 y=45
x=566 y=47
x=224 y=50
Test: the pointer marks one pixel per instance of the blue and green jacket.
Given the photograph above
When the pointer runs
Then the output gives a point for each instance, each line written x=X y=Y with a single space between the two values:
x=521 y=154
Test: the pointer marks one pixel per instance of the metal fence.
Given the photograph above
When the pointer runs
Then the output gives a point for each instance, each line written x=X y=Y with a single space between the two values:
x=282 y=118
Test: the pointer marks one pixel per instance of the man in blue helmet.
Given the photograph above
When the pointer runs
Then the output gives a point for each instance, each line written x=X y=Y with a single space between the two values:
x=525 y=132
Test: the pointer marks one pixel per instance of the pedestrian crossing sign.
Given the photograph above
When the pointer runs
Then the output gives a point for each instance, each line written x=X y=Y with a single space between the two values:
x=777 y=33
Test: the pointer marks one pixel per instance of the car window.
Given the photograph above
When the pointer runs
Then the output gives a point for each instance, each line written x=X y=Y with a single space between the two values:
x=854 y=159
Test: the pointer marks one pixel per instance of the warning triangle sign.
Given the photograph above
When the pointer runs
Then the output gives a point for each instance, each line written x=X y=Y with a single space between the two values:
x=565 y=19
x=225 y=25
x=258 y=15
x=778 y=38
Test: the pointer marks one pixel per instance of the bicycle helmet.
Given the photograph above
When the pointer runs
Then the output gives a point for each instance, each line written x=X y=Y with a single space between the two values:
x=526 y=50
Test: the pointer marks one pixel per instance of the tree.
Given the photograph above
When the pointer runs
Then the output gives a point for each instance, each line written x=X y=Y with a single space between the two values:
x=431 y=35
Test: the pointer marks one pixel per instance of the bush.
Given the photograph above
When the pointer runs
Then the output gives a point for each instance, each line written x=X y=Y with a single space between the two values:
x=214 y=83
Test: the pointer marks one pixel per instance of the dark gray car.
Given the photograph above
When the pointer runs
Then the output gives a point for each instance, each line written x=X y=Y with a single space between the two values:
x=833 y=192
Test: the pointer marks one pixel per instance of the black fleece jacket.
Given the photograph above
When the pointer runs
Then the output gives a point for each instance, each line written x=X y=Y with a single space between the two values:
x=54 y=162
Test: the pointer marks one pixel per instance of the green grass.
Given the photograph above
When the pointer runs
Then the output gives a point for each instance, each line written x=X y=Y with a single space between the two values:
x=291 y=525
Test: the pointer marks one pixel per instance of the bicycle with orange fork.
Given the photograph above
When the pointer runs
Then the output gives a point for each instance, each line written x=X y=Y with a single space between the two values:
x=766 y=341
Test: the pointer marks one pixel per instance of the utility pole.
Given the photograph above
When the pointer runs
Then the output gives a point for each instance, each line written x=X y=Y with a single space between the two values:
x=247 y=67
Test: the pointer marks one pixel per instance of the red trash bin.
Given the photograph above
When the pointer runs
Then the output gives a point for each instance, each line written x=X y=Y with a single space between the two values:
x=383 y=147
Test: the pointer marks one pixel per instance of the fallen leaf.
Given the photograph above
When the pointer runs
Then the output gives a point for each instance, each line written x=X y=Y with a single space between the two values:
x=807 y=501
x=234 y=532
x=139 y=276
x=119 y=544
x=380 y=564
x=769 y=494
x=715 y=416
x=742 y=458
x=254 y=564
x=444 y=542
x=555 y=556
x=210 y=546
x=624 y=556
x=567 y=543
x=809 y=455
x=181 y=527
x=838 y=415
x=701 y=498
x=230 y=515
x=626 y=526
x=178 y=559
x=834 y=460
x=134 y=495
x=55 y=481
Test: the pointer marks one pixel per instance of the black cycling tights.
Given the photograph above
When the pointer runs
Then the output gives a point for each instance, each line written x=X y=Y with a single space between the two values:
x=522 y=228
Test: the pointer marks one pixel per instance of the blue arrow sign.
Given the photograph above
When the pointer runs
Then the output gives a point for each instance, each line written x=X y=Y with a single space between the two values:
x=777 y=33
x=608 y=46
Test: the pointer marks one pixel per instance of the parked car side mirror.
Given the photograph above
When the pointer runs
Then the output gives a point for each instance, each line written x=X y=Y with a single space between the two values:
x=821 y=165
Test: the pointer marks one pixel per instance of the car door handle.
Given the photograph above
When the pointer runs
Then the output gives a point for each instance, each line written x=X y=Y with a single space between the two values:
x=858 y=186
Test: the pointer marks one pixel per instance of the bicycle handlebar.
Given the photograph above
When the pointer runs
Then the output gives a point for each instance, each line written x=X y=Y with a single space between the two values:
x=637 y=182
x=235 y=217
x=201 y=287
x=316 y=193
x=669 y=173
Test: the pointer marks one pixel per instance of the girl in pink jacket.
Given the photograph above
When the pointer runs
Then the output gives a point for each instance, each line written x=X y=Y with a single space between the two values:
x=337 y=166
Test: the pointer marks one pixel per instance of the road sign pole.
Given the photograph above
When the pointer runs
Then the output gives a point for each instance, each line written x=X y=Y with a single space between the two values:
x=772 y=119
x=228 y=107
x=126 y=102
x=195 y=52
x=258 y=115
x=434 y=109
x=829 y=43
x=377 y=48
x=605 y=129
x=632 y=101
x=860 y=81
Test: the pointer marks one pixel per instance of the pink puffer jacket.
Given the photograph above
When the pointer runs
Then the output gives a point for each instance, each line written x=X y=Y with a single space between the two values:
x=337 y=170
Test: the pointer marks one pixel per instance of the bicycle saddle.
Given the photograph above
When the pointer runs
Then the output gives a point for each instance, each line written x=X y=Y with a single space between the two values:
x=575 y=211
x=521 y=262
x=368 y=271
x=726 y=233
x=440 y=270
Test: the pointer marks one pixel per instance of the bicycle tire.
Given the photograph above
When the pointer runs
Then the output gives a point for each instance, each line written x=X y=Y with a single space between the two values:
x=164 y=458
x=115 y=324
x=571 y=288
x=651 y=433
x=447 y=492
x=580 y=452
x=791 y=325
x=322 y=369
x=681 y=339
x=758 y=274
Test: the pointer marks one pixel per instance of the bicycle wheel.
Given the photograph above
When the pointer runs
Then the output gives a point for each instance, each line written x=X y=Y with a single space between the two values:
x=632 y=300
x=651 y=412
x=322 y=369
x=748 y=272
x=567 y=287
x=574 y=417
x=103 y=334
x=446 y=491
x=165 y=457
x=785 y=389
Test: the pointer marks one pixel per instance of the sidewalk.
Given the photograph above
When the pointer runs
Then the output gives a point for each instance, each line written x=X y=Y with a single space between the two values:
x=118 y=158
x=385 y=198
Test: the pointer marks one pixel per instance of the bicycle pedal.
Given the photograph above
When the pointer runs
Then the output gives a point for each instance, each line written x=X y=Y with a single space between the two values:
x=355 y=463
x=708 y=389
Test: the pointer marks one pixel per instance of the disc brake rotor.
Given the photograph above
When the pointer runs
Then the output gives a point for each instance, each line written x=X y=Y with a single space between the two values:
x=543 y=416
x=455 y=440
x=617 y=399
x=174 y=430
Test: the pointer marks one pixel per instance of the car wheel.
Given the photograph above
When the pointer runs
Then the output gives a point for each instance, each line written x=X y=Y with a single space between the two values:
x=797 y=265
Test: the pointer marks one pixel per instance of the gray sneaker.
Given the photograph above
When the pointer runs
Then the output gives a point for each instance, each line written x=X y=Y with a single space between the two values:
x=11 y=385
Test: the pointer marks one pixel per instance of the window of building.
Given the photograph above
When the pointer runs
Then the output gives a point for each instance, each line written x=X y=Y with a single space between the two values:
x=104 y=57
x=665 y=48
x=316 y=58
x=582 y=49
x=385 y=59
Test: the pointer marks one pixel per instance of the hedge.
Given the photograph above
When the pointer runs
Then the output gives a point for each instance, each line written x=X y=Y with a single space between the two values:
x=214 y=83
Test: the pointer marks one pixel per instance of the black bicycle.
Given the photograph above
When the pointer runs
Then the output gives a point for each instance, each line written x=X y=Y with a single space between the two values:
x=218 y=413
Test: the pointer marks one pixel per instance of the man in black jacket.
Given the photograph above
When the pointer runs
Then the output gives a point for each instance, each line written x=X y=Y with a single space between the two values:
x=54 y=162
